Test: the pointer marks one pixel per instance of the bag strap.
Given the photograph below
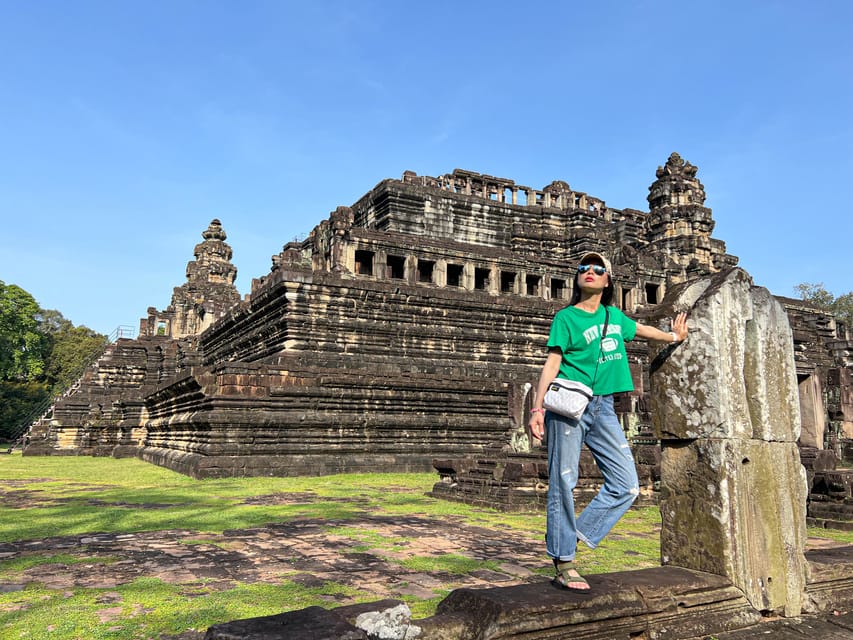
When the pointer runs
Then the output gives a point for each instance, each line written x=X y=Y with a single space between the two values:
x=600 y=346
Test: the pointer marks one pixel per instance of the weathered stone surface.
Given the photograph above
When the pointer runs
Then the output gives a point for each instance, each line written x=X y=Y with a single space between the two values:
x=835 y=626
x=844 y=406
x=316 y=623
x=813 y=413
x=738 y=364
x=725 y=403
x=388 y=624
x=105 y=412
x=311 y=421
x=666 y=603
x=663 y=603
x=737 y=508
x=830 y=582
x=381 y=620
x=822 y=350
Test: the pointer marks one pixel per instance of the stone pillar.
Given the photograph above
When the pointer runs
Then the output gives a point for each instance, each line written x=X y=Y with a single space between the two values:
x=468 y=276
x=726 y=407
x=812 y=412
x=846 y=400
x=440 y=273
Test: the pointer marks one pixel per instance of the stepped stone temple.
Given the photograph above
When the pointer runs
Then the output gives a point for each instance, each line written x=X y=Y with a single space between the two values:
x=406 y=332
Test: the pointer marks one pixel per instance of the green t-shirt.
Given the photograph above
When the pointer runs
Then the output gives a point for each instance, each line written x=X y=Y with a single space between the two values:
x=577 y=333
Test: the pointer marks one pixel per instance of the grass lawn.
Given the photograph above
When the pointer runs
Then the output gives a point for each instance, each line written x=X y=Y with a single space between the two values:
x=71 y=501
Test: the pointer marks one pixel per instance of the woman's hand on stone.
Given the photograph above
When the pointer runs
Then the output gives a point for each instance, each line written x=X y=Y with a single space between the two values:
x=679 y=326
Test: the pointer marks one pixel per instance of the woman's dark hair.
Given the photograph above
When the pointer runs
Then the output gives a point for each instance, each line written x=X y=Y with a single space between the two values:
x=606 y=295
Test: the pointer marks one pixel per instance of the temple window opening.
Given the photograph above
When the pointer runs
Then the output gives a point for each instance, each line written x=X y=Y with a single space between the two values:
x=481 y=279
x=425 y=270
x=507 y=282
x=454 y=275
x=396 y=267
x=627 y=300
x=558 y=289
x=364 y=262
x=652 y=293
x=533 y=282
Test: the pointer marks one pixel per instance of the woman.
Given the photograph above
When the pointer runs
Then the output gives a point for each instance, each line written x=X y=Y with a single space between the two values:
x=578 y=351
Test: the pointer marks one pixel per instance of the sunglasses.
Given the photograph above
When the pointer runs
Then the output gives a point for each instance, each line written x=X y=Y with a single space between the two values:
x=597 y=269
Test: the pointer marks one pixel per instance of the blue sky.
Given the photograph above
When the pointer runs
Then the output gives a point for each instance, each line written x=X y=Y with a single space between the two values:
x=125 y=127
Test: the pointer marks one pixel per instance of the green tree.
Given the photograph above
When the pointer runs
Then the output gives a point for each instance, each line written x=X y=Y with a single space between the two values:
x=73 y=349
x=841 y=307
x=18 y=404
x=52 y=322
x=816 y=294
x=22 y=344
x=41 y=354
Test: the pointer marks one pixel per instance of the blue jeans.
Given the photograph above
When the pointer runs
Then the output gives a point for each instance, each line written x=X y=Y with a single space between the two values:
x=600 y=430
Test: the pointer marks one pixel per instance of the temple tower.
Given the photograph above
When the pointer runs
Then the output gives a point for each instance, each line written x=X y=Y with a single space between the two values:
x=206 y=295
x=679 y=224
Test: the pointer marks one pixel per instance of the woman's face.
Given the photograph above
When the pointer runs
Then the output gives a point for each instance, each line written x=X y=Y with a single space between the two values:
x=589 y=281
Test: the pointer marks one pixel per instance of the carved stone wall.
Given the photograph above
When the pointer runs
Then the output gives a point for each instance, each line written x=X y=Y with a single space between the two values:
x=105 y=413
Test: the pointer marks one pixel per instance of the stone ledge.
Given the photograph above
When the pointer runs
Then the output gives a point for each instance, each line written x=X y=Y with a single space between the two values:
x=830 y=582
x=668 y=602
x=665 y=603
x=314 y=622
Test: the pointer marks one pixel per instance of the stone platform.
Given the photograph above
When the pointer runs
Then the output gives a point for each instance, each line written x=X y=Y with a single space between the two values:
x=319 y=624
x=660 y=603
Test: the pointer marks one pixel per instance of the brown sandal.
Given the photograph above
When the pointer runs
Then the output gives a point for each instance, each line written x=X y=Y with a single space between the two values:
x=568 y=578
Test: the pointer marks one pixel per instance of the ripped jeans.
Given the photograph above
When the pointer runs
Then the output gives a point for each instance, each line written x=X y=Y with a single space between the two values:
x=599 y=428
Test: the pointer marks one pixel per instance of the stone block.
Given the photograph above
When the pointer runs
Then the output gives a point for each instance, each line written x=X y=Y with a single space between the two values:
x=735 y=376
x=830 y=583
x=737 y=509
x=312 y=622
x=726 y=404
x=666 y=603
